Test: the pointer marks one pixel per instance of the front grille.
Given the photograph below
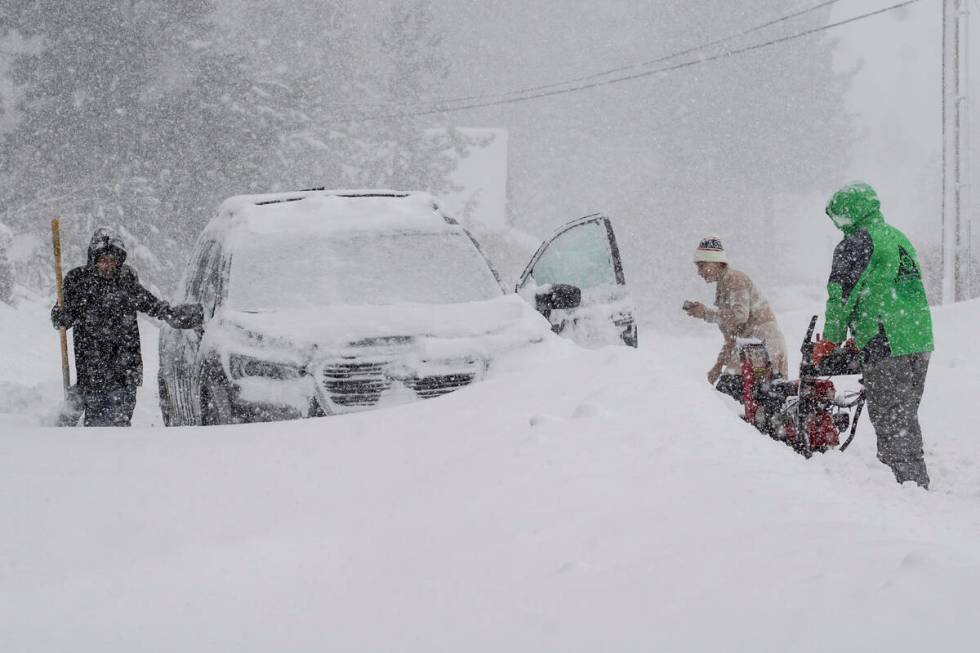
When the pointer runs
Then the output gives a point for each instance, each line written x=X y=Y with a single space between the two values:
x=435 y=386
x=355 y=384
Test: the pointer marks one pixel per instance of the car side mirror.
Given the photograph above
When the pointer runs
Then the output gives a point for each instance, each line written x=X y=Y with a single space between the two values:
x=560 y=296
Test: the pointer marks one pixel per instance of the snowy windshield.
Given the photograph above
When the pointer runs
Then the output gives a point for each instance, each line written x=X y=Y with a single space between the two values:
x=297 y=270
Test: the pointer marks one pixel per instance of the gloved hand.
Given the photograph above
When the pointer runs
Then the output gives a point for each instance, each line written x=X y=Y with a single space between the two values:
x=184 y=316
x=822 y=349
x=694 y=309
x=60 y=319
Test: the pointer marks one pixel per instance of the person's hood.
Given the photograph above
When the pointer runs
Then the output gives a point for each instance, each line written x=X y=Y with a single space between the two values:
x=854 y=207
x=106 y=240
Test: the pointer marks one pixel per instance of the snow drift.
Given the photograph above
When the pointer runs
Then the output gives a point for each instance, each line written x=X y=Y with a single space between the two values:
x=575 y=500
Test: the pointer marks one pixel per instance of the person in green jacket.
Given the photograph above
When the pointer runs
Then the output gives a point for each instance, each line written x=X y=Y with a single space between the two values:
x=875 y=291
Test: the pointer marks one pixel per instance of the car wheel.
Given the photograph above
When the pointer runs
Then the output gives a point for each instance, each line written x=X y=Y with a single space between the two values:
x=166 y=410
x=216 y=406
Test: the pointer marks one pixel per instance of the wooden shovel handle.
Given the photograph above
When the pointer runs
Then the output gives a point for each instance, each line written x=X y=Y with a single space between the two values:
x=59 y=294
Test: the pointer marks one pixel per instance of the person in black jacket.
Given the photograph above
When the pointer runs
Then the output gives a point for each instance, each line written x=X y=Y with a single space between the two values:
x=101 y=300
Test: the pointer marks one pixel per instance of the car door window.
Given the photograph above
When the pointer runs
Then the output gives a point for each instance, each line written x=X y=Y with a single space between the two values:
x=193 y=293
x=211 y=282
x=581 y=256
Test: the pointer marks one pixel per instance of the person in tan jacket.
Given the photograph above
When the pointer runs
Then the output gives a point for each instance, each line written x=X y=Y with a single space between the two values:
x=741 y=311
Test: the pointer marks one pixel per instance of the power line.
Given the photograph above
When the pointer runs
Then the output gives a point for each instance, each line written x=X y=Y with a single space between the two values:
x=678 y=66
x=650 y=62
x=603 y=73
x=625 y=78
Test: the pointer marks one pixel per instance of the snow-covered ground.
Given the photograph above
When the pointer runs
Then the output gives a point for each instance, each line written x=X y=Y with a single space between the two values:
x=576 y=500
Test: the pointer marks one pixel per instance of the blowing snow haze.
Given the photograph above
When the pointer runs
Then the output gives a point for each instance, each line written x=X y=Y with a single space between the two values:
x=145 y=116
x=367 y=257
x=749 y=146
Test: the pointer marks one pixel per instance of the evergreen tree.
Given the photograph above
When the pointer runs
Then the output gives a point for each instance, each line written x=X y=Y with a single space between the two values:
x=129 y=117
x=743 y=129
x=306 y=62
x=397 y=150
x=143 y=115
x=338 y=88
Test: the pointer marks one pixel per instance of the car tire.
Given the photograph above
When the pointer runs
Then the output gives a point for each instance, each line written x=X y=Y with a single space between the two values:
x=166 y=409
x=216 y=405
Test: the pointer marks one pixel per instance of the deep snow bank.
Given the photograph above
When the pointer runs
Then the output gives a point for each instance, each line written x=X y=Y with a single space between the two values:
x=576 y=500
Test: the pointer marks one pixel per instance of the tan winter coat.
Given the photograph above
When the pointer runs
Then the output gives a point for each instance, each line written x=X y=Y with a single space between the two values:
x=742 y=311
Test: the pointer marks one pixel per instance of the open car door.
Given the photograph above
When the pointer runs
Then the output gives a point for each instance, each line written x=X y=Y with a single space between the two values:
x=575 y=279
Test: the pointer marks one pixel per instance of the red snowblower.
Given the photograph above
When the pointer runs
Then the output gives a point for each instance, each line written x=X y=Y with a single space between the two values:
x=806 y=414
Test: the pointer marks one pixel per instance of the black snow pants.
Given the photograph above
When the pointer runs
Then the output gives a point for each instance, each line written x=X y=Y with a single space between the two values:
x=894 y=388
x=113 y=408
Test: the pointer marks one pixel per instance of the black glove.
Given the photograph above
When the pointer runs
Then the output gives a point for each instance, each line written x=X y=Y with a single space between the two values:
x=60 y=319
x=185 y=316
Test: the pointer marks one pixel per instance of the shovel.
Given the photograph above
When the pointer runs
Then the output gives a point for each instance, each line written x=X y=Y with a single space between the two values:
x=72 y=408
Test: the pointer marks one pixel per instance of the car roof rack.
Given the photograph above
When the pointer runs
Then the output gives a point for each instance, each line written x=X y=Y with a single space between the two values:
x=280 y=200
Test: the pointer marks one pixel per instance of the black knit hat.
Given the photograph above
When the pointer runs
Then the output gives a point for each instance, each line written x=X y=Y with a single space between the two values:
x=106 y=241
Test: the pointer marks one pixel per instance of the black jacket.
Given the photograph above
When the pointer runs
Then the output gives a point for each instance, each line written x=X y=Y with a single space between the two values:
x=102 y=312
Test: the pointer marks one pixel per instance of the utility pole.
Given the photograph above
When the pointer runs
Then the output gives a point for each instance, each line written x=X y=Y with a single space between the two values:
x=957 y=221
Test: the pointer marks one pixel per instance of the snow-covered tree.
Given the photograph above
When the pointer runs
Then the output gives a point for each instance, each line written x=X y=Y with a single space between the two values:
x=143 y=115
x=411 y=67
x=340 y=89
x=129 y=117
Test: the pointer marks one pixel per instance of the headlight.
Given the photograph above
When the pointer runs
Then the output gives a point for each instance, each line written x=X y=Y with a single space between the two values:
x=242 y=366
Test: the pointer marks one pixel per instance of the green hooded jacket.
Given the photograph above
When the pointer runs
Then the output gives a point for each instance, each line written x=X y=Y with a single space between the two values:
x=875 y=287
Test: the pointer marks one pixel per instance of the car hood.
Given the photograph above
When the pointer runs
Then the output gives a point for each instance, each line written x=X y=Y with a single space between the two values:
x=343 y=327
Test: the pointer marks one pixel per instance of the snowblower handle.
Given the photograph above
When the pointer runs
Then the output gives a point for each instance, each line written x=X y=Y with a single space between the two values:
x=809 y=332
x=59 y=294
x=854 y=423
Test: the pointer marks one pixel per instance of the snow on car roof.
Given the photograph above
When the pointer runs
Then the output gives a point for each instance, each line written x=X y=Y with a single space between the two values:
x=331 y=211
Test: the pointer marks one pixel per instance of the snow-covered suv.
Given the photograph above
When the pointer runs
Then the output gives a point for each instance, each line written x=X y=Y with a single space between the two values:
x=325 y=302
